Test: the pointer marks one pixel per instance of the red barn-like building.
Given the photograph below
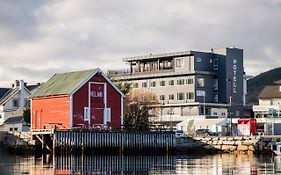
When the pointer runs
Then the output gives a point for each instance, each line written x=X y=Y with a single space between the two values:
x=77 y=99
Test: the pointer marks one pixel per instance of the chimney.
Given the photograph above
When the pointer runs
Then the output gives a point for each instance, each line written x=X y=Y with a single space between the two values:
x=21 y=84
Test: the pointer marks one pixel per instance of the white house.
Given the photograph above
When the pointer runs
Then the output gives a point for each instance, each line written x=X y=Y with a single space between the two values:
x=14 y=99
x=268 y=112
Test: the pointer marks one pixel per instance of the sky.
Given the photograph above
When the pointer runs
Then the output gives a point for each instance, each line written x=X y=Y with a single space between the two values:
x=39 y=38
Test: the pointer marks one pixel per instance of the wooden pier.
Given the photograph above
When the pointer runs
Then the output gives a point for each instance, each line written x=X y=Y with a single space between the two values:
x=105 y=141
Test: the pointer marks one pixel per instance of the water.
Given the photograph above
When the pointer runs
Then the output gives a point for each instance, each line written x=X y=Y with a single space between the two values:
x=166 y=164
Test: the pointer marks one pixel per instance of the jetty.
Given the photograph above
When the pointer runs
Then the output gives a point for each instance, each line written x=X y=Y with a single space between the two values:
x=104 y=141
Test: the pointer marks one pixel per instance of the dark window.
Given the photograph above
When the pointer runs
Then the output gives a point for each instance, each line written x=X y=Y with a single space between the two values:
x=200 y=82
x=162 y=83
x=144 y=84
x=189 y=95
x=153 y=84
x=171 y=82
x=11 y=129
x=180 y=96
x=162 y=97
x=180 y=82
x=16 y=103
x=189 y=81
x=216 y=64
x=135 y=85
x=171 y=97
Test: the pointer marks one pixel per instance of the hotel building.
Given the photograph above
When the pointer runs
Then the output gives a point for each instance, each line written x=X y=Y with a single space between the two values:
x=190 y=83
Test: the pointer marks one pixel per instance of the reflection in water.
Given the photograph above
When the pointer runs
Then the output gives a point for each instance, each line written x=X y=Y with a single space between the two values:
x=105 y=164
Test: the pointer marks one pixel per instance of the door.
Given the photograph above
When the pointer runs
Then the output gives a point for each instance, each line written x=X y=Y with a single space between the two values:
x=97 y=103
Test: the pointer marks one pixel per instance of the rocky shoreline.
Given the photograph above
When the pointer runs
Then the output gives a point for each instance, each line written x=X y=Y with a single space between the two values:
x=235 y=144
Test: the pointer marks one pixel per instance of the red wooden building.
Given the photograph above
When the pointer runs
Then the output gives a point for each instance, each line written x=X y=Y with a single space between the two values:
x=77 y=99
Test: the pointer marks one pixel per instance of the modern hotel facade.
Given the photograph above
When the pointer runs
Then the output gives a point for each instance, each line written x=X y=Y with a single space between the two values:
x=190 y=83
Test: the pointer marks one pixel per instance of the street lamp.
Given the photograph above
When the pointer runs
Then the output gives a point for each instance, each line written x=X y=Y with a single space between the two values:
x=171 y=113
x=230 y=104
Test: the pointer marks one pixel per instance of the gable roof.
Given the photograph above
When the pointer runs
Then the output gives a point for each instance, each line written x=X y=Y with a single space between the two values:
x=3 y=92
x=270 y=92
x=17 y=119
x=9 y=94
x=33 y=88
x=62 y=83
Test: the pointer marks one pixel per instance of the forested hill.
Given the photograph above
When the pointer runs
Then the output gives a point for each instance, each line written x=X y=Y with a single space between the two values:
x=256 y=84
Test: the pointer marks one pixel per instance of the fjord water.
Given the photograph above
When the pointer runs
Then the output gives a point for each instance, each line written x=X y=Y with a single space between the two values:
x=137 y=164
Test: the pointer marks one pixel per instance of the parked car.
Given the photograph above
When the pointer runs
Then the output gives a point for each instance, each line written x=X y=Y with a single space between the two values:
x=205 y=132
x=179 y=133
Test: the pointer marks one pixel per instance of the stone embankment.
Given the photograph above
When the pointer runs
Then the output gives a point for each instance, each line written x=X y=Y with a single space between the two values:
x=236 y=144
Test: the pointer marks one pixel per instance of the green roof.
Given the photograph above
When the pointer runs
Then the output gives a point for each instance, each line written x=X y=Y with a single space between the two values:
x=63 y=83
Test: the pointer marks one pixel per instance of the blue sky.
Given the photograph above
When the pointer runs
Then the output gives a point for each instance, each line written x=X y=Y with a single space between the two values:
x=41 y=37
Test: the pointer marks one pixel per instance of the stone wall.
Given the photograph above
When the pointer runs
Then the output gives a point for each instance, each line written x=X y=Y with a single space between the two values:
x=236 y=144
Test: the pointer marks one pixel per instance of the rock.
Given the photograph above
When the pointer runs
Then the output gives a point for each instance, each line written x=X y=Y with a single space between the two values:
x=242 y=148
x=217 y=146
x=249 y=142
x=228 y=148
x=208 y=147
x=228 y=142
x=215 y=138
x=230 y=138
x=214 y=142
x=251 y=148
x=250 y=152
x=238 y=138
x=238 y=142
x=220 y=142
x=223 y=138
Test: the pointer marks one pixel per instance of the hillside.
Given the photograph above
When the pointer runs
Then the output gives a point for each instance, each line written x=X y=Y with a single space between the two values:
x=256 y=84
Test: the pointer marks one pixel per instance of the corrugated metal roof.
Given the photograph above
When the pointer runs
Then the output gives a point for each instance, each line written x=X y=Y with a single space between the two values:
x=62 y=84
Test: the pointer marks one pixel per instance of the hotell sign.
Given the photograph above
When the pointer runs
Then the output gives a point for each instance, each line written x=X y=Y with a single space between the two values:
x=234 y=80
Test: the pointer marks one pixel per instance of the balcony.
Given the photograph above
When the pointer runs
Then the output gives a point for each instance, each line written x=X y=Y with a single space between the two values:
x=258 y=108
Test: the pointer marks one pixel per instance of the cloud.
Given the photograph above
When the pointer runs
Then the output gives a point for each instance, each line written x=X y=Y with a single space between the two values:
x=42 y=37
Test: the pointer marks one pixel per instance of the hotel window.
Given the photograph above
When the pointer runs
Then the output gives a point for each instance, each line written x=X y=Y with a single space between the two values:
x=179 y=62
x=144 y=84
x=216 y=97
x=180 y=82
x=216 y=64
x=171 y=82
x=135 y=85
x=15 y=103
x=200 y=82
x=162 y=97
x=189 y=81
x=189 y=95
x=216 y=84
x=162 y=83
x=180 y=96
x=153 y=84
x=171 y=97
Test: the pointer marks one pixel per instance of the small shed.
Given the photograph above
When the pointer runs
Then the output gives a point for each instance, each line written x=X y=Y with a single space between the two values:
x=77 y=99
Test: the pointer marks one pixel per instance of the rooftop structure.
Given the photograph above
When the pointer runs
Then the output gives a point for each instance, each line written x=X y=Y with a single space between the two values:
x=191 y=82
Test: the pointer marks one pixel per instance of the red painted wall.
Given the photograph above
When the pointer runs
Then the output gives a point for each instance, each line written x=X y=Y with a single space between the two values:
x=80 y=100
x=50 y=110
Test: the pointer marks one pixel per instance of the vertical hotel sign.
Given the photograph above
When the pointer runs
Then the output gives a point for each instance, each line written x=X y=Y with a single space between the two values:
x=234 y=80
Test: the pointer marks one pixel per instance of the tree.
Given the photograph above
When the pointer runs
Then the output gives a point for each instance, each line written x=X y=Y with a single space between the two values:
x=26 y=114
x=139 y=106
